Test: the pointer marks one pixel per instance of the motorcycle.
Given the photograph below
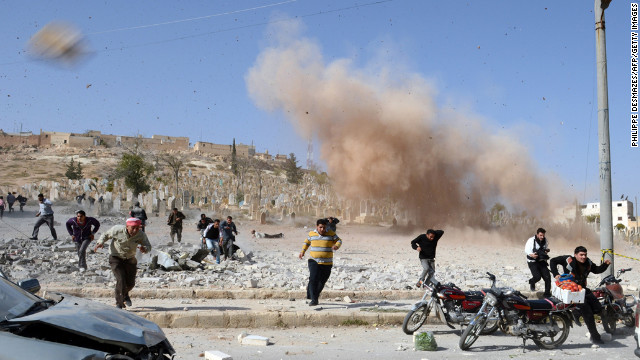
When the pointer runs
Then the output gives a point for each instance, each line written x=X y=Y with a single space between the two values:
x=615 y=304
x=452 y=305
x=547 y=322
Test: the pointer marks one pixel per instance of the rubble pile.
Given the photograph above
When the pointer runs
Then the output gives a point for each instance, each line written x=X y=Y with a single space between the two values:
x=189 y=266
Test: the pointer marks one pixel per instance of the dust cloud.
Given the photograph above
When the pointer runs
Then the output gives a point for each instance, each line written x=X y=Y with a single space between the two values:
x=383 y=136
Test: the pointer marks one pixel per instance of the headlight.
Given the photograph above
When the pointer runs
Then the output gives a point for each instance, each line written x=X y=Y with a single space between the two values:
x=491 y=299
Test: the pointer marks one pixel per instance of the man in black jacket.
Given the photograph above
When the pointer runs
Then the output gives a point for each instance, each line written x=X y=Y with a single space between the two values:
x=139 y=213
x=579 y=265
x=426 y=245
x=202 y=226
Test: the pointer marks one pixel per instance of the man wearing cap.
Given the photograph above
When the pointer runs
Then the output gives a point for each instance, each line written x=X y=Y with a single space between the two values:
x=82 y=228
x=122 y=256
x=46 y=217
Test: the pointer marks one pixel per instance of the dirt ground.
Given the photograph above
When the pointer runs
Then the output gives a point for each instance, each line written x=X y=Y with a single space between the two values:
x=371 y=342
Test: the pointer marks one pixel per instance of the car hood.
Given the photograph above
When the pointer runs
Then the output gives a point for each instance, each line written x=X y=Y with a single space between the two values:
x=15 y=347
x=103 y=323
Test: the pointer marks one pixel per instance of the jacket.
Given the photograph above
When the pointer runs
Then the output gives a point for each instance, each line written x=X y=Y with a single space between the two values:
x=122 y=245
x=82 y=232
x=173 y=220
x=138 y=212
x=427 y=247
x=579 y=271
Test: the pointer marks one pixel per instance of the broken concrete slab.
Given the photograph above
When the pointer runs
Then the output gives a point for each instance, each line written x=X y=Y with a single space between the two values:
x=216 y=355
x=255 y=340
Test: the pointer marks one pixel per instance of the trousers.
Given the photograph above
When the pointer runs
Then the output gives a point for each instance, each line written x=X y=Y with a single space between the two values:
x=428 y=267
x=539 y=270
x=318 y=276
x=45 y=219
x=124 y=270
x=81 y=249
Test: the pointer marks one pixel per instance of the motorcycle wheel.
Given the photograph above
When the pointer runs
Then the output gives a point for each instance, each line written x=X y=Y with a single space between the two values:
x=629 y=320
x=490 y=327
x=609 y=320
x=415 y=318
x=473 y=331
x=558 y=338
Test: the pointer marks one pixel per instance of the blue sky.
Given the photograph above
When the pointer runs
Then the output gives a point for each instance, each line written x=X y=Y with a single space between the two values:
x=524 y=67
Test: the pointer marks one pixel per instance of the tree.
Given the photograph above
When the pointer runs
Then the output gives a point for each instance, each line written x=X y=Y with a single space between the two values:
x=175 y=163
x=74 y=171
x=260 y=167
x=293 y=171
x=135 y=171
x=234 y=159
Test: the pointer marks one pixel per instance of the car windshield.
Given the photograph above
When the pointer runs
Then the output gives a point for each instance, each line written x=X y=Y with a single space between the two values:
x=14 y=301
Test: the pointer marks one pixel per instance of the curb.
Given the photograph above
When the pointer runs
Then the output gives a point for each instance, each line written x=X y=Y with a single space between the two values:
x=190 y=293
x=260 y=319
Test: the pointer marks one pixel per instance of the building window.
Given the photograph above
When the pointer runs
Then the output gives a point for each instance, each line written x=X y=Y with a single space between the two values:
x=619 y=204
x=619 y=218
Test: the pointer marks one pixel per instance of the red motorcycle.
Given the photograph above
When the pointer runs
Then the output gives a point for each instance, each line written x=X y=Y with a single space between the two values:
x=547 y=322
x=452 y=305
x=615 y=304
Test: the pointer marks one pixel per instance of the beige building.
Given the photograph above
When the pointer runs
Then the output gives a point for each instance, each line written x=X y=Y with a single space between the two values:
x=224 y=150
x=23 y=138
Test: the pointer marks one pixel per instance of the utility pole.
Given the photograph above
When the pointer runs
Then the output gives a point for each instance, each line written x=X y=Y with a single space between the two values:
x=604 y=152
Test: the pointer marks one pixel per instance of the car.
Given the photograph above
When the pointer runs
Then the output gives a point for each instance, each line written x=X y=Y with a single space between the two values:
x=636 y=335
x=72 y=328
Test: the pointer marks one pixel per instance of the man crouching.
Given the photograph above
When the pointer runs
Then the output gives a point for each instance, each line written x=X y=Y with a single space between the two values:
x=122 y=256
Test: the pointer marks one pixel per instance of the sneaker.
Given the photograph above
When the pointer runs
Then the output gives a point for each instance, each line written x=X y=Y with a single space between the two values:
x=532 y=287
x=127 y=301
x=82 y=270
x=597 y=341
x=547 y=295
x=419 y=284
x=120 y=306
x=33 y=238
x=313 y=303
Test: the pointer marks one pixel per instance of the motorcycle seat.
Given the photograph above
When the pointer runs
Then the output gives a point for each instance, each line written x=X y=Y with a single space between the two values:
x=541 y=304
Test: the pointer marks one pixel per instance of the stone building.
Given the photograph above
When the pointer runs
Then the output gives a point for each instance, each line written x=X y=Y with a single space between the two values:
x=23 y=138
x=242 y=150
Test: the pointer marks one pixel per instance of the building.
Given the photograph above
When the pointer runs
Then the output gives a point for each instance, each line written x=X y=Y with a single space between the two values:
x=224 y=150
x=23 y=138
x=621 y=211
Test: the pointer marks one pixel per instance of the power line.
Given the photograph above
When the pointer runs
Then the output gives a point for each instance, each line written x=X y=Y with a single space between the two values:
x=192 y=19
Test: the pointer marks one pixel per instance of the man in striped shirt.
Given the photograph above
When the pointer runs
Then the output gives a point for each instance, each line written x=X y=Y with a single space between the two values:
x=321 y=244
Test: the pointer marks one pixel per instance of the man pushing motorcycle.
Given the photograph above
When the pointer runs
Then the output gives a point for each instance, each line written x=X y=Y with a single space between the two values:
x=579 y=265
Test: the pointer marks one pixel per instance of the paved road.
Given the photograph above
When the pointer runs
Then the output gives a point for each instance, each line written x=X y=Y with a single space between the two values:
x=388 y=342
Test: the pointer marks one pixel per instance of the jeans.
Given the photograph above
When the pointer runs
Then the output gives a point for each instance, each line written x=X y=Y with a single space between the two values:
x=214 y=244
x=428 y=267
x=45 y=219
x=318 y=276
x=124 y=270
x=81 y=249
